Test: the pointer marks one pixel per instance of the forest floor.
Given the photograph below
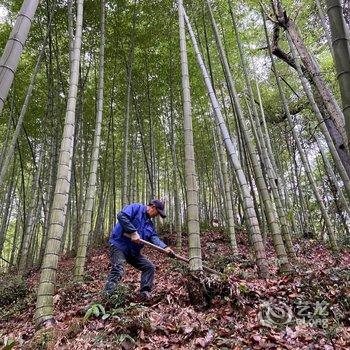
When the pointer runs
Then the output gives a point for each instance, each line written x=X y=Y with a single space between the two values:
x=309 y=310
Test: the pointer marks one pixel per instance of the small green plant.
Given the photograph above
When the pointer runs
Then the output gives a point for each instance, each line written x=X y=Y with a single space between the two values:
x=96 y=310
x=12 y=288
x=120 y=296
x=243 y=288
x=8 y=343
x=344 y=241
x=123 y=337
x=230 y=268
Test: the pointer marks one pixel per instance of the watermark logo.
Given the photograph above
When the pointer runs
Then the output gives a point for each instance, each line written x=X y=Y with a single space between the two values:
x=279 y=313
x=275 y=313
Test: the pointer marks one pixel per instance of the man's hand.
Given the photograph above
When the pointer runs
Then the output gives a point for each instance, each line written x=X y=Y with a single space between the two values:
x=170 y=252
x=135 y=237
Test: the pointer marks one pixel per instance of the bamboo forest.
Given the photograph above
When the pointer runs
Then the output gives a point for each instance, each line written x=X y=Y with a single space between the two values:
x=175 y=174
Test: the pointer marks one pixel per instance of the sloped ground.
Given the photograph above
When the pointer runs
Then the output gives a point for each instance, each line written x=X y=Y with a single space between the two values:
x=310 y=310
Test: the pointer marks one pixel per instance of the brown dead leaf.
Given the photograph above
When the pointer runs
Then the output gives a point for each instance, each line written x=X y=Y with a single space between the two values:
x=204 y=342
x=188 y=329
x=256 y=337
x=56 y=298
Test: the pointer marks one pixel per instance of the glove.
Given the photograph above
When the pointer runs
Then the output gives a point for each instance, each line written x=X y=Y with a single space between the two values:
x=170 y=252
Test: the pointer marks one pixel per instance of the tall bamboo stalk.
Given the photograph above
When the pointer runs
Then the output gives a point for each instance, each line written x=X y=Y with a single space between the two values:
x=258 y=174
x=227 y=197
x=338 y=163
x=332 y=114
x=333 y=178
x=29 y=231
x=322 y=17
x=11 y=148
x=195 y=253
x=129 y=67
x=90 y=195
x=7 y=205
x=341 y=49
x=250 y=213
x=14 y=47
x=313 y=69
x=276 y=229
x=302 y=154
x=44 y=304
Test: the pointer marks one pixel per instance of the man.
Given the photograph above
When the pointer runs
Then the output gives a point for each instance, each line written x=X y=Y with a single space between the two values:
x=134 y=223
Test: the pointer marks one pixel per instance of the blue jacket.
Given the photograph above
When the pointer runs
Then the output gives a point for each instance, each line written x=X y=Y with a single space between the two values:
x=131 y=218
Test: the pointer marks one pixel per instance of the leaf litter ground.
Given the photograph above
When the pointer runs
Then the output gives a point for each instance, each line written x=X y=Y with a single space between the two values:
x=309 y=310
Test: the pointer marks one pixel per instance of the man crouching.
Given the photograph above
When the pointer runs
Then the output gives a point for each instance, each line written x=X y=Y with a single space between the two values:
x=134 y=220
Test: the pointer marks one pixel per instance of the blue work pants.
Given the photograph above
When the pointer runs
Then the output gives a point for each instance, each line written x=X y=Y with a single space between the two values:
x=118 y=259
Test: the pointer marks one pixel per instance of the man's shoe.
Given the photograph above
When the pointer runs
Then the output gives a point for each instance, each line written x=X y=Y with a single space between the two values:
x=109 y=289
x=145 y=296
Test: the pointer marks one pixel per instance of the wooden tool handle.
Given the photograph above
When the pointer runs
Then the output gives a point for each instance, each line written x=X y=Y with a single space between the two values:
x=176 y=256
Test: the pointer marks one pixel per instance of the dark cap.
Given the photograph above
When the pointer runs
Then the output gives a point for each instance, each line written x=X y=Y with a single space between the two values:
x=159 y=206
